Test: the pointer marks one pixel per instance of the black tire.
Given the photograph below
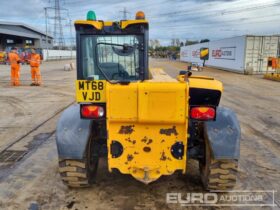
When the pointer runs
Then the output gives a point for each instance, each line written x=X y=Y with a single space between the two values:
x=217 y=174
x=79 y=173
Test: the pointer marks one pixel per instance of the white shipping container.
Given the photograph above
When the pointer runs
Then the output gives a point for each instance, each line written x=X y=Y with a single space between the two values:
x=191 y=53
x=239 y=54
x=258 y=49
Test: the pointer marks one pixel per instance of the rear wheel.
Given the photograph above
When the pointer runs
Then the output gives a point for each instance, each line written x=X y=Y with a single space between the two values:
x=217 y=174
x=79 y=173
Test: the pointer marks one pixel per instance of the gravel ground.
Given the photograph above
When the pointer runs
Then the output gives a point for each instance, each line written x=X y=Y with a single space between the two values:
x=27 y=127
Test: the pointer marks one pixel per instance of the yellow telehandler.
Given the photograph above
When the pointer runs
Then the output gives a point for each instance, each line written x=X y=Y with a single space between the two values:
x=141 y=120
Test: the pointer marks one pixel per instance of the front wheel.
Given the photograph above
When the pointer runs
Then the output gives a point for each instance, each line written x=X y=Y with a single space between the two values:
x=217 y=174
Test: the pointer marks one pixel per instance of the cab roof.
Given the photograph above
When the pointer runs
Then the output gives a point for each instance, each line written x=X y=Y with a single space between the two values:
x=99 y=25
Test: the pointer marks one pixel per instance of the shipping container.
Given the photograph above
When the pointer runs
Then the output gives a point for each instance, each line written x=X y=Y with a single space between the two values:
x=242 y=54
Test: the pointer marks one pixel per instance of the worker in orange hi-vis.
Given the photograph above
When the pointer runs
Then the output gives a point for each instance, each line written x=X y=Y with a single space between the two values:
x=35 y=61
x=274 y=63
x=15 y=67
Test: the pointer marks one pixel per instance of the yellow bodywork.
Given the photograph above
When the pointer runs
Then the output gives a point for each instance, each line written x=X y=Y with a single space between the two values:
x=100 y=24
x=147 y=118
x=2 y=56
x=127 y=23
x=204 y=52
x=204 y=82
x=272 y=76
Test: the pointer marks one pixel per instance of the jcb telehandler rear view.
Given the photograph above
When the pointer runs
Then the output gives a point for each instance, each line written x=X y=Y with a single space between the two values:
x=144 y=122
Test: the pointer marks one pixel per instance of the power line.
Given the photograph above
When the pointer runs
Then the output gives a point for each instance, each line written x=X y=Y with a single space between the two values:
x=124 y=13
x=58 y=34
x=185 y=29
x=198 y=25
x=58 y=31
x=47 y=38
x=235 y=10
x=216 y=13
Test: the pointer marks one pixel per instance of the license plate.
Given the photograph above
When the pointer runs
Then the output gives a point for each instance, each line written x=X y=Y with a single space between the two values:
x=90 y=91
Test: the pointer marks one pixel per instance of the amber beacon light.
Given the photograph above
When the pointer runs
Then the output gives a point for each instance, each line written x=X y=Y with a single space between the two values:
x=140 y=15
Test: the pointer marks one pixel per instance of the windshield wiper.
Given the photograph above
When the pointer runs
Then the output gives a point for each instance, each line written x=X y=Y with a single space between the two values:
x=125 y=51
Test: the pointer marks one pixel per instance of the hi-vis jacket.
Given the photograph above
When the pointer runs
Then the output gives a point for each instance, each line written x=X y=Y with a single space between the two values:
x=35 y=60
x=14 y=59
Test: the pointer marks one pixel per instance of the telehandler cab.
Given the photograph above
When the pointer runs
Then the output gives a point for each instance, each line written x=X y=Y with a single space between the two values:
x=144 y=122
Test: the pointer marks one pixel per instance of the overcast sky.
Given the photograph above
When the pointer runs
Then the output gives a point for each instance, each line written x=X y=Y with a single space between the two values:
x=183 y=19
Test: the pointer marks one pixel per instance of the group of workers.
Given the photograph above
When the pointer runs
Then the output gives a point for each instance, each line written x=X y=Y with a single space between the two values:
x=35 y=61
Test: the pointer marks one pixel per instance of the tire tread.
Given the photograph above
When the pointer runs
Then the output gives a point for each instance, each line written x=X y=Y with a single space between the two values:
x=73 y=173
x=222 y=175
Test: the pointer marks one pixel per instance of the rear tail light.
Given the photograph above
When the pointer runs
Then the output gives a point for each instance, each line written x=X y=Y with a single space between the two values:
x=203 y=113
x=90 y=111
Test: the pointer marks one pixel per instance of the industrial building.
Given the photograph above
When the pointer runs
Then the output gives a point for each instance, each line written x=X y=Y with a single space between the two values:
x=242 y=54
x=20 y=35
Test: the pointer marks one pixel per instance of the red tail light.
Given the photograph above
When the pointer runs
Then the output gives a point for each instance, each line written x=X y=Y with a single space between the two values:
x=90 y=111
x=203 y=113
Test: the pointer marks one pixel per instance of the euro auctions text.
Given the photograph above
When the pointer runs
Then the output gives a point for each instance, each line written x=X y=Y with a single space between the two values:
x=223 y=198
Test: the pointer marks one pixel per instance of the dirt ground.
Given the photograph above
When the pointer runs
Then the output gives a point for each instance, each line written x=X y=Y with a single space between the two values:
x=30 y=179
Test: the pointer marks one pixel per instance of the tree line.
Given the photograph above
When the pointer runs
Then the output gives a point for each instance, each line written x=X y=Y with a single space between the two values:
x=172 y=51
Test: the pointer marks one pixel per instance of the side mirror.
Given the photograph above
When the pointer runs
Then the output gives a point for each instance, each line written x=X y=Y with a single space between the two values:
x=184 y=72
x=123 y=50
